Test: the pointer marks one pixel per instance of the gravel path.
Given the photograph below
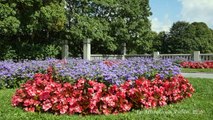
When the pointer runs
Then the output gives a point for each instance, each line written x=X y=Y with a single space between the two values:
x=198 y=75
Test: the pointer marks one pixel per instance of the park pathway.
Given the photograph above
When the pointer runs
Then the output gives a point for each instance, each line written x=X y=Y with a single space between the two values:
x=198 y=75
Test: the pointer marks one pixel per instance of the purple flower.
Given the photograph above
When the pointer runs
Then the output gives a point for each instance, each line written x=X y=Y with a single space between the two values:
x=73 y=69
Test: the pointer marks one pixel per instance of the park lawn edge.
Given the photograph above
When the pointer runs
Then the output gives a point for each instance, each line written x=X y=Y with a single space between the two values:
x=200 y=70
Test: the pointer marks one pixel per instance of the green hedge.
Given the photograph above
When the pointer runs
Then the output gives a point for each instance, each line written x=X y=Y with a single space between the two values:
x=18 y=51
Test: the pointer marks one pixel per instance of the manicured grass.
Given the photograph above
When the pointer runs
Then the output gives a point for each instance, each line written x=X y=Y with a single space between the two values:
x=189 y=70
x=195 y=108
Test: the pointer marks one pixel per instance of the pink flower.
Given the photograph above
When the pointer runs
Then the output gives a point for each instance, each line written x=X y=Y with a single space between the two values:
x=113 y=89
x=126 y=107
x=106 y=111
x=29 y=109
x=44 y=95
x=81 y=81
x=54 y=99
x=71 y=101
x=162 y=103
x=95 y=110
x=132 y=91
x=31 y=91
x=78 y=109
x=64 y=109
x=28 y=102
x=184 y=87
x=126 y=85
x=67 y=86
x=46 y=105
x=92 y=97
x=63 y=100
x=121 y=94
x=91 y=83
x=16 y=100
x=189 y=94
x=90 y=90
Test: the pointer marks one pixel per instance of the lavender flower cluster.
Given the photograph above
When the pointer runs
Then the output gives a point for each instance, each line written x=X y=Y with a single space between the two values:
x=12 y=73
x=119 y=71
x=116 y=73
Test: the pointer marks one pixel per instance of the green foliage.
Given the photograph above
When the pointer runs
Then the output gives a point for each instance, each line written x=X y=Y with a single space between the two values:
x=109 y=23
x=51 y=51
x=201 y=37
x=131 y=25
x=51 y=17
x=9 y=53
x=177 y=42
x=38 y=51
x=9 y=24
x=186 y=38
x=25 y=50
x=159 y=42
x=31 y=29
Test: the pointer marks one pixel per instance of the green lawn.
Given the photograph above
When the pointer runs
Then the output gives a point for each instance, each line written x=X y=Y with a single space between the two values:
x=189 y=70
x=200 y=106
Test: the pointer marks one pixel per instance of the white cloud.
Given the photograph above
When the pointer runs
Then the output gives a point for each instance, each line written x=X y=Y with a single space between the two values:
x=191 y=11
x=163 y=25
x=197 y=11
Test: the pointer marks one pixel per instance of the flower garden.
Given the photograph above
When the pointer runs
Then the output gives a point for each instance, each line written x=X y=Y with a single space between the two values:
x=12 y=74
x=196 y=65
x=77 y=86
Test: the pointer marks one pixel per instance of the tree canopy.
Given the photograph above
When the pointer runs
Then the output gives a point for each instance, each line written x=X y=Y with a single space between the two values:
x=109 y=23
x=31 y=29
x=185 y=37
x=9 y=24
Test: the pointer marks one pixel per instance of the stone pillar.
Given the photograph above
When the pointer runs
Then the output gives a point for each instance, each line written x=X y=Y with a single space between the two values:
x=124 y=51
x=156 y=55
x=87 y=49
x=196 y=56
x=65 y=49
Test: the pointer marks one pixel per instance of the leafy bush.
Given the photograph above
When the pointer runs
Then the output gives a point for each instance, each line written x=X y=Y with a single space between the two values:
x=31 y=51
x=9 y=54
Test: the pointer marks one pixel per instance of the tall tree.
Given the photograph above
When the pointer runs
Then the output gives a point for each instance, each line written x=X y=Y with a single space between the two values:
x=87 y=20
x=177 y=41
x=31 y=26
x=110 y=23
x=201 y=37
x=159 y=43
x=131 y=25
x=186 y=38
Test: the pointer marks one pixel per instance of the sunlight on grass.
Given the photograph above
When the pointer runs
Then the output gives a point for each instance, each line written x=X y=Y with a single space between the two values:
x=189 y=70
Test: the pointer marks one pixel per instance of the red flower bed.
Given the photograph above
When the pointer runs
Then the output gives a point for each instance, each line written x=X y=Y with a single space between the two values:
x=43 y=94
x=187 y=64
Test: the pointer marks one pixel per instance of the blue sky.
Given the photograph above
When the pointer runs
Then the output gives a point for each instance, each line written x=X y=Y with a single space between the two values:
x=166 y=12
